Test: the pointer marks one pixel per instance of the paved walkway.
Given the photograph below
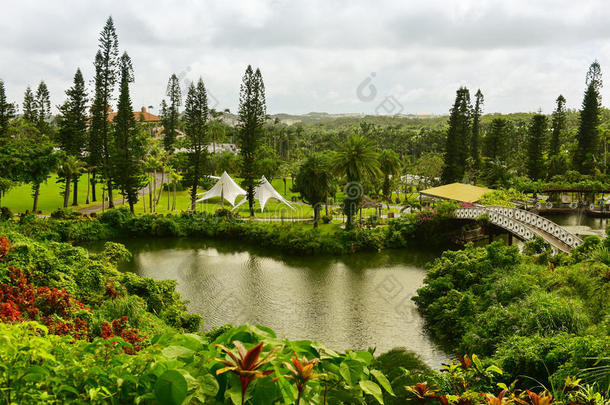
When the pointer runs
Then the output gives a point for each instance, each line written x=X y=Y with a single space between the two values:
x=118 y=201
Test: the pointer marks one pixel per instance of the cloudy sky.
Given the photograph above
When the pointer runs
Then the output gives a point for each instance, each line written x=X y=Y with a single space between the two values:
x=335 y=56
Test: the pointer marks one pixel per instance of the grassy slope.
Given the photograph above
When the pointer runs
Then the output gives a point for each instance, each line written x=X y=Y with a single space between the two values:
x=19 y=199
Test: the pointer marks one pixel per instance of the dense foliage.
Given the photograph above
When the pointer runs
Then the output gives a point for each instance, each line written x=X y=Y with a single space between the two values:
x=424 y=228
x=535 y=317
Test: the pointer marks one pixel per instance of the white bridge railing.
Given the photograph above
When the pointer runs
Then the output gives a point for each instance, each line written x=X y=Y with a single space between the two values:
x=522 y=223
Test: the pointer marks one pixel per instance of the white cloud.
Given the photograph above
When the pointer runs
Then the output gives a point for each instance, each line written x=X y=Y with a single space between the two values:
x=314 y=54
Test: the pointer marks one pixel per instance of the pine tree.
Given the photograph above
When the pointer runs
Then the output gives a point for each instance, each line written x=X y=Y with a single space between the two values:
x=494 y=146
x=29 y=109
x=458 y=137
x=7 y=111
x=476 y=129
x=106 y=63
x=559 y=124
x=196 y=116
x=127 y=150
x=251 y=117
x=171 y=113
x=72 y=133
x=42 y=108
x=536 y=147
x=587 y=149
x=73 y=118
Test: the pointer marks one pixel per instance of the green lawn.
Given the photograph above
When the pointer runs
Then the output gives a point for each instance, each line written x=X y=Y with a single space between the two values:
x=20 y=199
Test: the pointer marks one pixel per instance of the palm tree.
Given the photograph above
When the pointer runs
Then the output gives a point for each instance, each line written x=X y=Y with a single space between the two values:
x=314 y=182
x=217 y=129
x=356 y=160
x=389 y=163
x=175 y=176
x=71 y=167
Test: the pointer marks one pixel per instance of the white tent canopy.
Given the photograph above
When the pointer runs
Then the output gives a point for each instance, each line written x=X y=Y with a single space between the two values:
x=225 y=188
x=263 y=192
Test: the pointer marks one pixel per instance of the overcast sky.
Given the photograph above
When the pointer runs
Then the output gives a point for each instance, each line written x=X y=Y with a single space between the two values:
x=351 y=56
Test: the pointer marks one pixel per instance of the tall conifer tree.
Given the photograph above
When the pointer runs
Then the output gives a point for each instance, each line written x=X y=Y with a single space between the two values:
x=127 y=150
x=536 y=147
x=458 y=137
x=72 y=133
x=196 y=117
x=106 y=65
x=587 y=149
x=475 y=152
x=29 y=109
x=7 y=111
x=171 y=113
x=42 y=108
x=251 y=117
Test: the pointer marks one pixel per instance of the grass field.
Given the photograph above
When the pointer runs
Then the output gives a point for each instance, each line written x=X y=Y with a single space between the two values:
x=19 y=199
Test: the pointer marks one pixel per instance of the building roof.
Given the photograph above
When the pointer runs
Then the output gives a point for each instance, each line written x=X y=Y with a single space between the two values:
x=457 y=192
x=140 y=116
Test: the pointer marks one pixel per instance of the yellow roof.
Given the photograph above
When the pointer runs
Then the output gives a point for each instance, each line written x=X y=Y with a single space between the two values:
x=457 y=191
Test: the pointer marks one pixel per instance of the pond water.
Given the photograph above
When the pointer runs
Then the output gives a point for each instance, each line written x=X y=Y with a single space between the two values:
x=580 y=224
x=357 y=301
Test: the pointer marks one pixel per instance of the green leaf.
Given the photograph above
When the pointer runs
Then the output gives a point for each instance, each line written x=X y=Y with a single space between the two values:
x=69 y=389
x=363 y=356
x=171 y=388
x=178 y=352
x=495 y=369
x=369 y=387
x=383 y=380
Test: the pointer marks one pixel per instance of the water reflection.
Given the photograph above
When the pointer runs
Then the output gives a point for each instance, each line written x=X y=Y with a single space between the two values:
x=359 y=301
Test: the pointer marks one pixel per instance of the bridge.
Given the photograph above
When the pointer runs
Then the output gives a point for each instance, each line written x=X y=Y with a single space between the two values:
x=524 y=224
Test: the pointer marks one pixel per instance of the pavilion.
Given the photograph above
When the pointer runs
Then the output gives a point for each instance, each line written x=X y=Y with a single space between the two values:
x=464 y=193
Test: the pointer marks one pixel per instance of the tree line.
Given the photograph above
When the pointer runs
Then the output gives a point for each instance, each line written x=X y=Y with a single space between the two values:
x=542 y=144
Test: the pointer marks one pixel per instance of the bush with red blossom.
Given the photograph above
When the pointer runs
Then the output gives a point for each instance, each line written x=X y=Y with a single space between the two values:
x=21 y=301
x=111 y=291
x=119 y=329
x=5 y=247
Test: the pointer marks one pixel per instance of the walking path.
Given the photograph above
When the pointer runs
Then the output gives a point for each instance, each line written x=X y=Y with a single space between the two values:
x=118 y=201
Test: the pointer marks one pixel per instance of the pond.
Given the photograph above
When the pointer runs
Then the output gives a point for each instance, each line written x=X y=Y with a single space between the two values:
x=358 y=301
x=580 y=224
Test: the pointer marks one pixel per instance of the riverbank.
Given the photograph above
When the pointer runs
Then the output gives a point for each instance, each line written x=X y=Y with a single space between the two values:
x=426 y=228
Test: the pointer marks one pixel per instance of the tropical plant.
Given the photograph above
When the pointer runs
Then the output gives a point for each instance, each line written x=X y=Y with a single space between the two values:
x=314 y=182
x=357 y=161
x=246 y=364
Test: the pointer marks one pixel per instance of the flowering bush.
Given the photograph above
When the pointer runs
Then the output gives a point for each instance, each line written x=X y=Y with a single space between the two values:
x=119 y=328
x=5 y=246
x=21 y=301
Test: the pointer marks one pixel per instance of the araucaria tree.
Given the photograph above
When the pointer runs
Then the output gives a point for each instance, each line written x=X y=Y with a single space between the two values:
x=252 y=115
x=72 y=132
x=558 y=159
x=475 y=152
x=106 y=74
x=587 y=149
x=28 y=108
x=127 y=150
x=458 y=137
x=196 y=117
x=42 y=108
x=314 y=182
x=171 y=113
x=559 y=125
x=7 y=111
x=536 y=146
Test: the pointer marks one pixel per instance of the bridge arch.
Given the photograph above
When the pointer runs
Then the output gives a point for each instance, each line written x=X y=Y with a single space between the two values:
x=524 y=224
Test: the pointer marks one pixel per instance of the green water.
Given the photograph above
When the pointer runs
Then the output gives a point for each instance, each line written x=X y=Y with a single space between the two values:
x=357 y=301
